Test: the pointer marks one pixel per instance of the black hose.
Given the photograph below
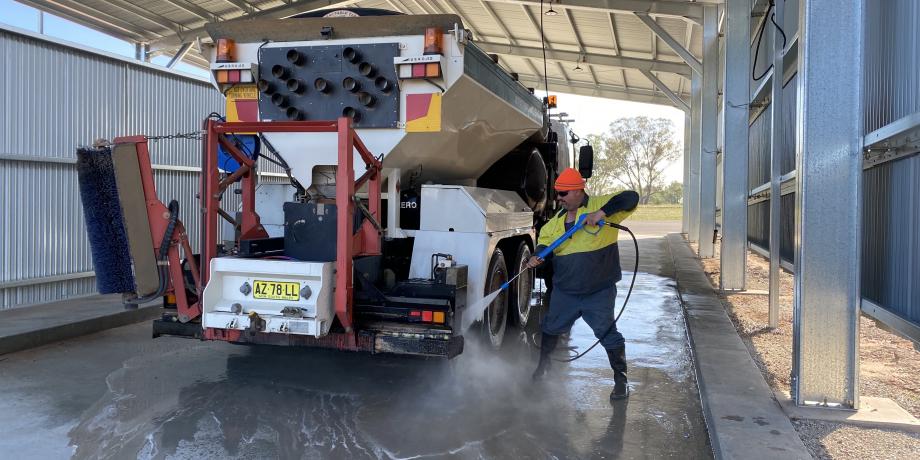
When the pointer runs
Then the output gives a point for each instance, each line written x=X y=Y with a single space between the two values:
x=625 y=301
x=162 y=263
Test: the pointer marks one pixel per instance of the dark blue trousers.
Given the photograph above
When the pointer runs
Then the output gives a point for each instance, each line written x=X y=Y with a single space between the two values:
x=596 y=308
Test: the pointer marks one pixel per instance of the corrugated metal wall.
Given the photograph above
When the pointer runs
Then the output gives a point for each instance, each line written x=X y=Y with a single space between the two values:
x=892 y=62
x=759 y=151
x=891 y=191
x=55 y=98
x=891 y=243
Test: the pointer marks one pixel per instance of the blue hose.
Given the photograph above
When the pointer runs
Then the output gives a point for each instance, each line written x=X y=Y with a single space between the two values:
x=579 y=224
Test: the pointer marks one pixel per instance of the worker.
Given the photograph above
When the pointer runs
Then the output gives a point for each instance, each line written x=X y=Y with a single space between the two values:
x=586 y=269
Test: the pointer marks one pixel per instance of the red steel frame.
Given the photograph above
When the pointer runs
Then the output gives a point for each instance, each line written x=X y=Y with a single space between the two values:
x=158 y=219
x=365 y=242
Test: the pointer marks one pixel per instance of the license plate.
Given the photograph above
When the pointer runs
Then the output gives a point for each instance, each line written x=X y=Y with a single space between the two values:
x=276 y=290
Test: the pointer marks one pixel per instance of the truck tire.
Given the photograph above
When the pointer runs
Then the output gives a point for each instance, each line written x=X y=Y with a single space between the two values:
x=495 y=318
x=522 y=288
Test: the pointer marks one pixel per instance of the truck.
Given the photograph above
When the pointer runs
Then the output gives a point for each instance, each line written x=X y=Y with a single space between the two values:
x=418 y=171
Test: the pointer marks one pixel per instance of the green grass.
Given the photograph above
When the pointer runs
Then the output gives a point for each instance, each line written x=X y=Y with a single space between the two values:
x=648 y=212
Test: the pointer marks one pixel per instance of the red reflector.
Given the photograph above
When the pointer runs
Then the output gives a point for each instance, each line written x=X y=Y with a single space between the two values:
x=234 y=76
x=418 y=70
x=415 y=313
x=426 y=316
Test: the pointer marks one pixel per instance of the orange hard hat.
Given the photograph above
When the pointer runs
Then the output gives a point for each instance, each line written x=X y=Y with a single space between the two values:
x=569 y=179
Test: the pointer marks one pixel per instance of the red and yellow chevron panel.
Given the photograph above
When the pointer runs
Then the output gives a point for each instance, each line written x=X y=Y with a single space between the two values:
x=423 y=113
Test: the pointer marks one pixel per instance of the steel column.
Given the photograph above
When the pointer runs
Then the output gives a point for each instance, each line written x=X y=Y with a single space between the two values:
x=736 y=94
x=776 y=172
x=685 y=208
x=708 y=130
x=696 y=94
x=829 y=129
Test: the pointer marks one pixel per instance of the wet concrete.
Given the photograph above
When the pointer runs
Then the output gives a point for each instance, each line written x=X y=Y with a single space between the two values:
x=120 y=394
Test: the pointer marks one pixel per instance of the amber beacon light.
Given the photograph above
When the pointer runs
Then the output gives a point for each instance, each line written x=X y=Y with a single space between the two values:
x=433 y=40
x=226 y=50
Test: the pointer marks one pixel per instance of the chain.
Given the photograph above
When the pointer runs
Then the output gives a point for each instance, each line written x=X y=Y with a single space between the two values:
x=191 y=135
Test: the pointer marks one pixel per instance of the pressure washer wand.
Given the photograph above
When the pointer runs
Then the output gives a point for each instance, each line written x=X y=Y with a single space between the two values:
x=579 y=224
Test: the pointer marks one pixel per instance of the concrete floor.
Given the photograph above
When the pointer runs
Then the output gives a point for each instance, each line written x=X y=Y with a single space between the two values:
x=118 y=394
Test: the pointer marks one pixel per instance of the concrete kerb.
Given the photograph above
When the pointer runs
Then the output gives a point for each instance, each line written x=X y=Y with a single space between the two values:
x=31 y=327
x=743 y=418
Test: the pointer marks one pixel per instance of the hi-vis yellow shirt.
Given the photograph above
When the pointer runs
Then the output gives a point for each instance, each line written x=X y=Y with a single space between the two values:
x=587 y=262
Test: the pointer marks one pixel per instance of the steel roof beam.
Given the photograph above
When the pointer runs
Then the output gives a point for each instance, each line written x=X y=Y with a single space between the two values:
x=398 y=6
x=420 y=6
x=290 y=8
x=506 y=32
x=453 y=9
x=685 y=10
x=244 y=6
x=435 y=8
x=92 y=18
x=581 y=46
x=600 y=60
x=687 y=42
x=685 y=54
x=196 y=10
x=148 y=16
x=536 y=27
x=562 y=72
x=678 y=102
x=611 y=21
x=601 y=90
x=180 y=54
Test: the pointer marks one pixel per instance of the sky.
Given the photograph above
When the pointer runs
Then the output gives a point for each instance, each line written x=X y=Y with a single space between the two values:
x=591 y=115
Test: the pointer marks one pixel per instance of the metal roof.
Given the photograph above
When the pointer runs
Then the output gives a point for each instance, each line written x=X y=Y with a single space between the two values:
x=636 y=50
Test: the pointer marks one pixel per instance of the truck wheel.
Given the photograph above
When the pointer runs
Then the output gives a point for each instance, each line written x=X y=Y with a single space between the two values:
x=495 y=318
x=522 y=288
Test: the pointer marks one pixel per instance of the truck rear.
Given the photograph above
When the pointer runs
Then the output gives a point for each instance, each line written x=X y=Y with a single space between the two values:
x=372 y=176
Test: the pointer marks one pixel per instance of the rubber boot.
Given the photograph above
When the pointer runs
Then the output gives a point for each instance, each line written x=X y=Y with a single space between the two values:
x=617 y=357
x=547 y=345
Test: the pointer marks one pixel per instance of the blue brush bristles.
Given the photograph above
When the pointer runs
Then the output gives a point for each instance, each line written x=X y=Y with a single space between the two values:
x=104 y=222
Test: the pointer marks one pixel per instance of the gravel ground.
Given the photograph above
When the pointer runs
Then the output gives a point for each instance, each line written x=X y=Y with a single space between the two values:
x=889 y=367
x=826 y=440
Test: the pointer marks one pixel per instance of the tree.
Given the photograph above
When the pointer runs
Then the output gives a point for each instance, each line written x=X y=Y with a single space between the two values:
x=603 y=179
x=672 y=194
x=633 y=154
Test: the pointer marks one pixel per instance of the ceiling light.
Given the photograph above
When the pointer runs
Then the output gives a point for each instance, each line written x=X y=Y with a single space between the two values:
x=550 y=11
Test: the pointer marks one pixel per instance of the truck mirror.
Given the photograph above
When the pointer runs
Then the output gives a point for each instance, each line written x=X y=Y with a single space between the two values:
x=586 y=161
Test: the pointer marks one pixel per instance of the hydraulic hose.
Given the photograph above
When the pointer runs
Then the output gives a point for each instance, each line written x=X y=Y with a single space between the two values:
x=162 y=262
